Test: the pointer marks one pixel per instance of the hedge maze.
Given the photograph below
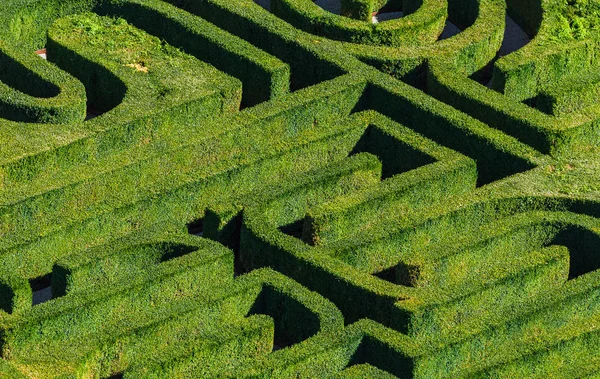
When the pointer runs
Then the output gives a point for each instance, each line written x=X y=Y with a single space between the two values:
x=236 y=189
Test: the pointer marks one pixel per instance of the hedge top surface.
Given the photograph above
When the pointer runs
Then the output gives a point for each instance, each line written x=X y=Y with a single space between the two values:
x=216 y=189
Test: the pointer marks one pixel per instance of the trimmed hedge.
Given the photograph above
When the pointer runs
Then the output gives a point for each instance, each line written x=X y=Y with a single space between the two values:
x=27 y=21
x=112 y=307
x=324 y=105
x=525 y=287
x=145 y=292
x=570 y=94
x=546 y=58
x=421 y=27
x=469 y=51
x=263 y=76
x=136 y=67
x=527 y=75
x=133 y=122
x=32 y=92
x=440 y=240
x=429 y=173
x=548 y=134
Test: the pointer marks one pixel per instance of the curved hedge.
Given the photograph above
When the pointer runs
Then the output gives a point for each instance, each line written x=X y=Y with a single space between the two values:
x=296 y=194
x=32 y=92
x=422 y=26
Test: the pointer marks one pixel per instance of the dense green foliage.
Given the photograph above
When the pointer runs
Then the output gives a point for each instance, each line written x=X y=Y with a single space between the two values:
x=207 y=188
x=578 y=19
x=422 y=26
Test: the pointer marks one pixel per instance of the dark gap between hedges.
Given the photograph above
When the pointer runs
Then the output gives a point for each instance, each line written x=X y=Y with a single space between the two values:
x=293 y=322
x=401 y=274
x=175 y=250
x=393 y=6
x=91 y=112
x=492 y=162
x=294 y=229
x=382 y=356
x=583 y=246
x=16 y=75
x=41 y=289
x=196 y=227
x=418 y=76
x=396 y=156
x=229 y=236
x=306 y=68
x=103 y=89
x=514 y=39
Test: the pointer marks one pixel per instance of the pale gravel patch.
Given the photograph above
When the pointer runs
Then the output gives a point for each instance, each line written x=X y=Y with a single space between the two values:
x=515 y=38
x=41 y=296
x=450 y=30
x=379 y=17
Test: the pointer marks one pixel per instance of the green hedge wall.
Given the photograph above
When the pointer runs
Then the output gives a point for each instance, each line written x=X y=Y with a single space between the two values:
x=263 y=76
x=573 y=93
x=421 y=27
x=31 y=92
x=366 y=207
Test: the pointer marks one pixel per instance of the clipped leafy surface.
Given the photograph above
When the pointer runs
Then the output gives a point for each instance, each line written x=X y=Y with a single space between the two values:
x=230 y=188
